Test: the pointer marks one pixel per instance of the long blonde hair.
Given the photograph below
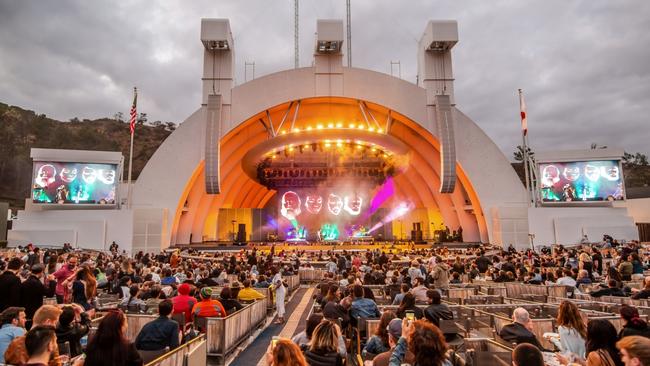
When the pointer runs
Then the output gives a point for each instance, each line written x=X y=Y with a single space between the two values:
x=569 y=316
x=325 y=338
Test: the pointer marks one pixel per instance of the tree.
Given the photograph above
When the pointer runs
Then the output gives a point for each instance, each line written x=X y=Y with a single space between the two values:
x=142 y=119
x=119 y=116
x=595 y=146
x=634 y=160
x=519 y=153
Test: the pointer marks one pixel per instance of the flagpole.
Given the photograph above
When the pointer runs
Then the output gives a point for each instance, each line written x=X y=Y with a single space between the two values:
x=525 y=148
x=130 y=188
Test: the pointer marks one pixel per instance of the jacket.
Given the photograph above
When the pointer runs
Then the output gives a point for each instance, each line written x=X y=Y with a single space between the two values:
x=517 y=333
x=249 y=294
x=440 y=275
x=61 y=275
x=32 y=292
x=10 y=290
x=365 y=308
x=184 y=304
x=158 y=334
x=315 y=358
x=73 y=334
x=334 y=311
x=435 y=312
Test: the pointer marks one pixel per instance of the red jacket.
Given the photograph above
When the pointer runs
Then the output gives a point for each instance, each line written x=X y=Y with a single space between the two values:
x=184 y=304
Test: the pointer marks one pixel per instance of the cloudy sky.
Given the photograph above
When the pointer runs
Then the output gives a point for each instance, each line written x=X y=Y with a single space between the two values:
x=584 y=65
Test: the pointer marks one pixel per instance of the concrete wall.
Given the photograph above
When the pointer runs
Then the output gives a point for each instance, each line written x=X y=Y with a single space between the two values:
x=91 y=229
x=566 y=225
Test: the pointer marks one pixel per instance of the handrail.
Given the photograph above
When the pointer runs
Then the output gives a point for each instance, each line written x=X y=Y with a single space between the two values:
x=175 y=350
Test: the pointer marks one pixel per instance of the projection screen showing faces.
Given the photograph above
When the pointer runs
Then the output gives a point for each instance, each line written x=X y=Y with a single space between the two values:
x=581 y=181
x=74 y=183
x=319 y=214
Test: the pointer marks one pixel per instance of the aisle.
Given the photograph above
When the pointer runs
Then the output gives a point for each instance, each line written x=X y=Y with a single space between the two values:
x=296 y=312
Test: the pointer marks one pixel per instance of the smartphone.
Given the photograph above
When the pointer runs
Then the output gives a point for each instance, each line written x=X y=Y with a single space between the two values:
x=410 y=316
x=274 y=341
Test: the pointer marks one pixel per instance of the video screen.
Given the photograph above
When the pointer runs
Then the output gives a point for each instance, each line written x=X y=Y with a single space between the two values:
x=74 y=183
x=582 y=181
x=321 y=214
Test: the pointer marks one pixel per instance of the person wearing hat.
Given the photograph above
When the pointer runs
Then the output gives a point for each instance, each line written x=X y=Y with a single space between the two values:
x=208 y=307
x=183 y=302
x=394 y=329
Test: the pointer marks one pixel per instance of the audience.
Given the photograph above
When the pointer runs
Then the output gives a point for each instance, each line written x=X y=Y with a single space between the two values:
x=362 y=307
x=572 y=329
x=248 y=293
x=16 y=354
x=70 y=330
x=183 y=302
x=324 y=347
x=378 y=343
x=424 y=340
x=13 y=326
x=436 y=310
x=526 y=354
x=284 y=353
x=632 y=323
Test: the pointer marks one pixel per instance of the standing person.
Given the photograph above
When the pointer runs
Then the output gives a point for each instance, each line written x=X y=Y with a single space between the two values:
x=482 y=262
x=63 y=274
x=440 y=274
x=109 y=346
x=13 y=326
x=10 y=285
x=280 y=293
x=33 y=290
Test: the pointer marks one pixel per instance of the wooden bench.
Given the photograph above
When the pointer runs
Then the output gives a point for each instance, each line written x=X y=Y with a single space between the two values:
x=191 y=353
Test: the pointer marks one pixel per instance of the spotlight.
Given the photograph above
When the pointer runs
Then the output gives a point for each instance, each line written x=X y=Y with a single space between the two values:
x=330 y=125
x=380 y=130
x=320 y=127
x=371 y=129
x=283 y=132
x=351 y=125
x=327 y=145
x=361 y=127
x=296 y=129
x=339 y=125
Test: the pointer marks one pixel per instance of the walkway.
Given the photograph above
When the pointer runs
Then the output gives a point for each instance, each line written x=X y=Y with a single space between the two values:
x=296 y=313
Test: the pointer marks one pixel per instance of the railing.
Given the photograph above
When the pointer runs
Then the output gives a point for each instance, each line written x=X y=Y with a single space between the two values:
x=135 y=322
x=224 y=334
x=192 y=353
x=311 y=274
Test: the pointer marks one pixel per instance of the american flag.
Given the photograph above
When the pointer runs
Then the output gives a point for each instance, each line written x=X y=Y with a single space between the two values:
x=134 y=112
x=524 y=118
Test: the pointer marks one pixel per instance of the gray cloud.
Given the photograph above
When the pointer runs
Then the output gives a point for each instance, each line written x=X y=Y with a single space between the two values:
x=583 y=64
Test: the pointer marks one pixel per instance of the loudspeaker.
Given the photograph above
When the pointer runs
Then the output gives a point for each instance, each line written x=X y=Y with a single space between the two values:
x=241 y=233
x=416 y=226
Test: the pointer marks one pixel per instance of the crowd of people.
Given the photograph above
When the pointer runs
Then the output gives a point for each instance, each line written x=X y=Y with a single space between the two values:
x=178 y=286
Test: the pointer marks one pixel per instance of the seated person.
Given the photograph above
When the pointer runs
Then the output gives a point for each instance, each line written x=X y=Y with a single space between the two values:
x=455 y=278
x=160 y=333
x=262 y=282
x=231 y=305
x=248 y=293
x=362 y=307
x=526 y=354
x=404 y=288
x=341 y=310
x=183 y=302
x=645 y=292
x=436 y=310
x=208 y=307
x=132 y=301
x=378 y=343
x=394 y=332
x=408 y=304
x=324 y=345
x=611 y=290
x=520 y=330
x=71 y=331
x=420 y=291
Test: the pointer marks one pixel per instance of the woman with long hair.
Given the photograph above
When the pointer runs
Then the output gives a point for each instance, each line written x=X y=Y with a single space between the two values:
x=378 y=343
x=109 y=346
x=333 y=294
x=572 y=329
x=632 y=323
x=422 y=339
x=323 y=350
x=284 y=353
x=408 y=304
x=601 y=345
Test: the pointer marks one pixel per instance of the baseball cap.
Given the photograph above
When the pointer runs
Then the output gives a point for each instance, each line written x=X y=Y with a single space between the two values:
x=395 y=328
x=206 y=292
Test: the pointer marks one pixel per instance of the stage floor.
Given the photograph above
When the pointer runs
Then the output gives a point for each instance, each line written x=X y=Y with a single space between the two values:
x=316 y=247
